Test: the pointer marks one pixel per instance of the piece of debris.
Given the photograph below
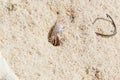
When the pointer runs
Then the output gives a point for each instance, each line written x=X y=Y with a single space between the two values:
x=11 y=7
x=112 y=22
x=52 y=35
x=71 y=14
x=97 y=75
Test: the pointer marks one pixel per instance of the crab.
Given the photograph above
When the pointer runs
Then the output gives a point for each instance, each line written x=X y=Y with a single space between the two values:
x=56 y=28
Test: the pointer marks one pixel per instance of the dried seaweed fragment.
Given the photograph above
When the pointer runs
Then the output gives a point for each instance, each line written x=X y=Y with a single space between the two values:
x=112 y=22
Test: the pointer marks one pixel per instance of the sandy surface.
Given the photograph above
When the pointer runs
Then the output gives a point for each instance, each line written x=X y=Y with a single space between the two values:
x=82 y=55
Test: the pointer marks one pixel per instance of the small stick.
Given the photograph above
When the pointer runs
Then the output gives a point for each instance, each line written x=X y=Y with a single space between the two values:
x=112 y=22
x=100 y=19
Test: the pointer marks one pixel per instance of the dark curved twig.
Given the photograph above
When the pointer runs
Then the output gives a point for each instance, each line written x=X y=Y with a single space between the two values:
x=112 y=22
x=100 y=19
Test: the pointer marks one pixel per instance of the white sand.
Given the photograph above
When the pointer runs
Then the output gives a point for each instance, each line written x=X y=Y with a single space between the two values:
x=82 y=54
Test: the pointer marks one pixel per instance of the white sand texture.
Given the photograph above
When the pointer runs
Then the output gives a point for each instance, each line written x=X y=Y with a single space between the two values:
x=81 y=55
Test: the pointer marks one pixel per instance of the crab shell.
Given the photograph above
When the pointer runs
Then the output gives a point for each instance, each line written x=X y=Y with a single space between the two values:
x=58 y=28
x=59 y=25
